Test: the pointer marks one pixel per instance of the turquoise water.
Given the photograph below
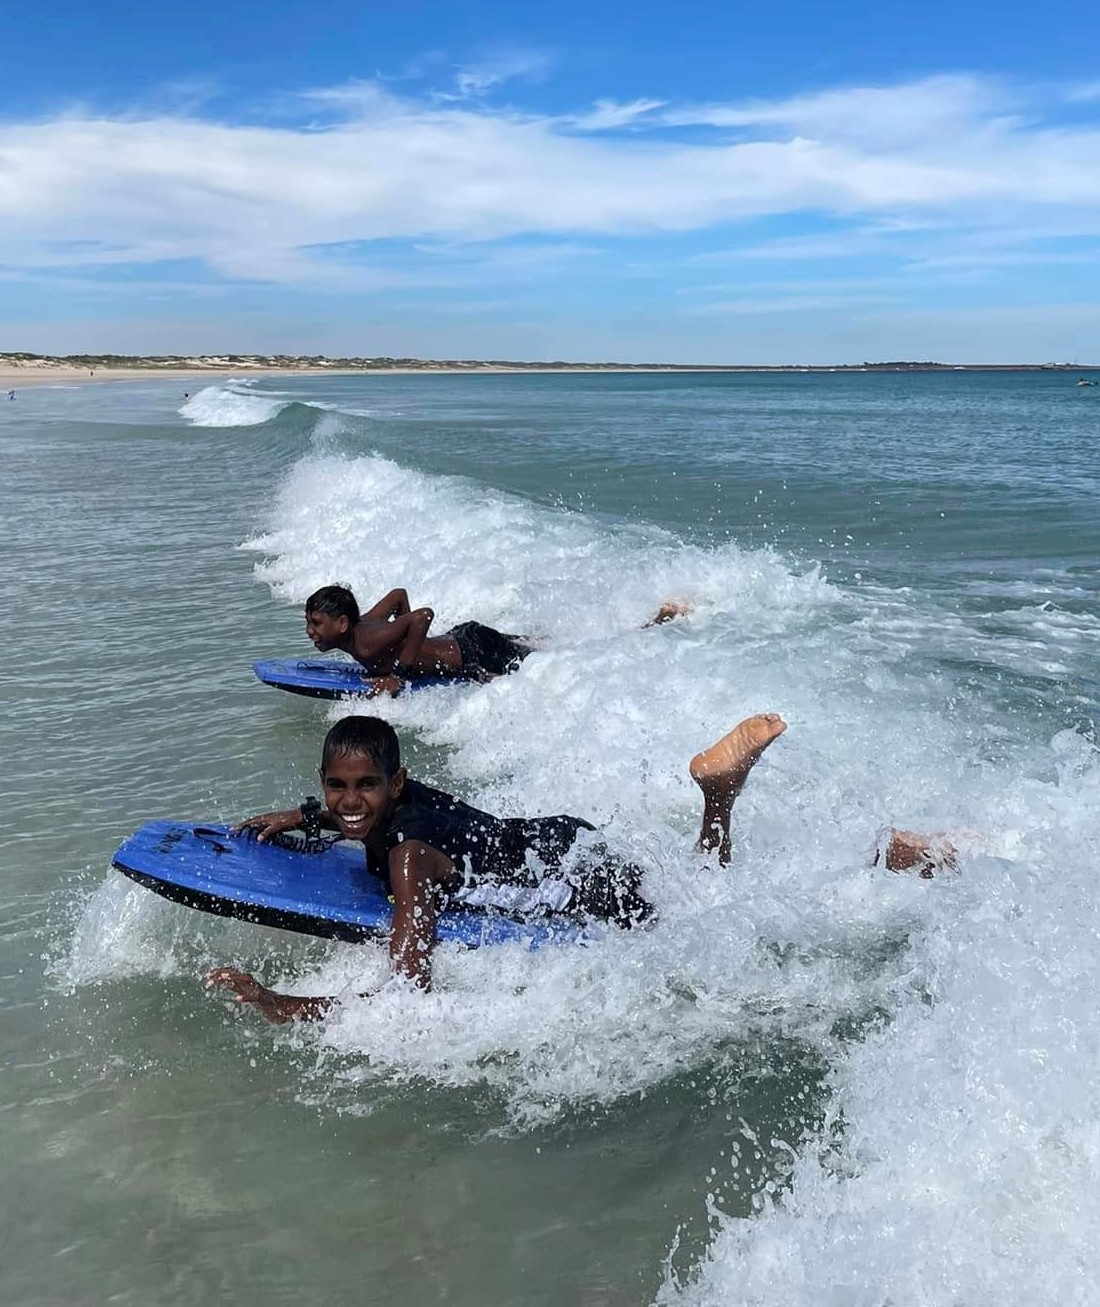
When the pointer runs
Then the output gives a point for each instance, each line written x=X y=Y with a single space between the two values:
x=813 y=1082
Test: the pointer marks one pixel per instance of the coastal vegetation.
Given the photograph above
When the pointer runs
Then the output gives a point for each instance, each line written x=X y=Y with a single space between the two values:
x=322 y=363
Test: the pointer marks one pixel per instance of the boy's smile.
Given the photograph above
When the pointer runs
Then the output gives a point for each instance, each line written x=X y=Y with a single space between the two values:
x=358 y=794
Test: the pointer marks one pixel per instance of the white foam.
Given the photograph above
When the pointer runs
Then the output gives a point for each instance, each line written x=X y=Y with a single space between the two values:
x=970 y=1123
x=968 y=1151
x=230 y=406
x=968 y=1163
x=474 y=553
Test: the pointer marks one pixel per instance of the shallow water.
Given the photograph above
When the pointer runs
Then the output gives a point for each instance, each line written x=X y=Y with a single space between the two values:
x=812 y=1081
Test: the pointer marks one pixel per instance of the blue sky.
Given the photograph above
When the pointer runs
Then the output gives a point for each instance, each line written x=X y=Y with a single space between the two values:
x=697 y=183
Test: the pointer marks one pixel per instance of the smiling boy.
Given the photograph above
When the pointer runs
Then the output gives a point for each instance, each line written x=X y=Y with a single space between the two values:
x=434 y=851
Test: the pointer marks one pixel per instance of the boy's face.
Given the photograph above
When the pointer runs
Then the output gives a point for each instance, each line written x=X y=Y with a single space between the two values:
x=325 y=630
x=359 y=794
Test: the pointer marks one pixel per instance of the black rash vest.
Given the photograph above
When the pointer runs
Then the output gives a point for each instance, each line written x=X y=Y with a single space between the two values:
x=508 y=852
x=481 y=846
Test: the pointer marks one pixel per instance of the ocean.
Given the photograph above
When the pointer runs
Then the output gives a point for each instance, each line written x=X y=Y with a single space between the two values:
x=814 y=1082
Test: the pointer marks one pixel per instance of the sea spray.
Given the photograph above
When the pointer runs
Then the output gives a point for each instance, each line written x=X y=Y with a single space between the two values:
x=946 y=1149
x=230 y=406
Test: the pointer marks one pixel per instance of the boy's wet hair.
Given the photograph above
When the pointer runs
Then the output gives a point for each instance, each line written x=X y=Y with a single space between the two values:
x=370 y=736
x=335 y=600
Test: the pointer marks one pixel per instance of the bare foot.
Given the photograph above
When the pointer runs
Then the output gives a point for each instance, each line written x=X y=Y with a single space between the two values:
x=669 y=611
x=724 y=766
x=720 y=772
x=925 y=854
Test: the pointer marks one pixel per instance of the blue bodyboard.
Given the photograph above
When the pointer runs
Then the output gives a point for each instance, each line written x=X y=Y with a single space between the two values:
x=329 y=893
x=326 y=678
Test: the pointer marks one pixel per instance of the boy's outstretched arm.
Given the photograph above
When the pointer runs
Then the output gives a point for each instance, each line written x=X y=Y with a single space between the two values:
x=278 y=1008
x=417 y=873
x=395 y=604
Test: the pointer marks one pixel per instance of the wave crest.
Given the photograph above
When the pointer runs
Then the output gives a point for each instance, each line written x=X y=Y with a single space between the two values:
x=225 y=406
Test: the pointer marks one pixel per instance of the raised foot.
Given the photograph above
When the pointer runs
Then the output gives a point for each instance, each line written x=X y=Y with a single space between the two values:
x=724 y=766
x=669 y=611
x=908 y=850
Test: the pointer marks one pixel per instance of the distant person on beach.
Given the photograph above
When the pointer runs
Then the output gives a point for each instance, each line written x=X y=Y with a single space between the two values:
x=11 y=394
x=391 y=638
x=433 y=851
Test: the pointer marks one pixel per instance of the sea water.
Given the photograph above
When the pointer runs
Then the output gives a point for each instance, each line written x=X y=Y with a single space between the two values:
x=814 y=1082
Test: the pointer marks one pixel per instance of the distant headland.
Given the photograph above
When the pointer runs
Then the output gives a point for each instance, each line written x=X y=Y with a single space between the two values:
x=27 y=368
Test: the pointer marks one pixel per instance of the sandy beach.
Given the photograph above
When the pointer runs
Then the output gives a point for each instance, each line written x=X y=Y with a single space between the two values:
x=16 y=374
x=62 y=374
x=16 y=377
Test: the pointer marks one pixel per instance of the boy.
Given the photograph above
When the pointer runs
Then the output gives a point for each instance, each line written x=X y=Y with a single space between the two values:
x=433 y=850
x=391 y=639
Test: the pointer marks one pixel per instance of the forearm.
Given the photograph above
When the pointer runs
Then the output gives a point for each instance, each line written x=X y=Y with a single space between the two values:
x=417 y=872
x=412 y=940
x=415 y=633
x=412 y=958
x=379 y=645
x=301 y=1007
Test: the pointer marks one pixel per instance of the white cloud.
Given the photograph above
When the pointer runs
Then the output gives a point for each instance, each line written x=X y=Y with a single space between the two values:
x=261 y=202
x=908 y=114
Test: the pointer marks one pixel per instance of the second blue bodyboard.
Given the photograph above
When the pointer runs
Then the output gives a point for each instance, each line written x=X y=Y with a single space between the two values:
x=327 y=678
x=329 y=893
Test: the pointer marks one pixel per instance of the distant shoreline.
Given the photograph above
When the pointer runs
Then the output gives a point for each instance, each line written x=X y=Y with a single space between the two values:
x=36 y=369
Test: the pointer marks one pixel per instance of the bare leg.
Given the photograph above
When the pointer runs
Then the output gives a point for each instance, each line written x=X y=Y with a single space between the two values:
x=721 y=772
x=908 y=850
x=668 y=612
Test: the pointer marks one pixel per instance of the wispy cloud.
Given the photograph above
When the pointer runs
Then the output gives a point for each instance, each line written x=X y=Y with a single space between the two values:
x=1019 y=258
x=495 y=67
x=606 y=115
x=917 y=113
x=1083 y=92
x=514 y=258
x=752 y=306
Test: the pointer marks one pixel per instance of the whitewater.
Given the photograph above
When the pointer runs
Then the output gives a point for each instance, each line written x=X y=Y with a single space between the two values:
x=815 y=1081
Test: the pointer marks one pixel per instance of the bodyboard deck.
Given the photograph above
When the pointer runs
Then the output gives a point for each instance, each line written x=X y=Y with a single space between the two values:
x=330 y=894
x=328 y=678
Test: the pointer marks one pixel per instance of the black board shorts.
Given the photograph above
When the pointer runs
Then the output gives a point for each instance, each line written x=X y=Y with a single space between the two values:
x=487 y=652
x=599 y=884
